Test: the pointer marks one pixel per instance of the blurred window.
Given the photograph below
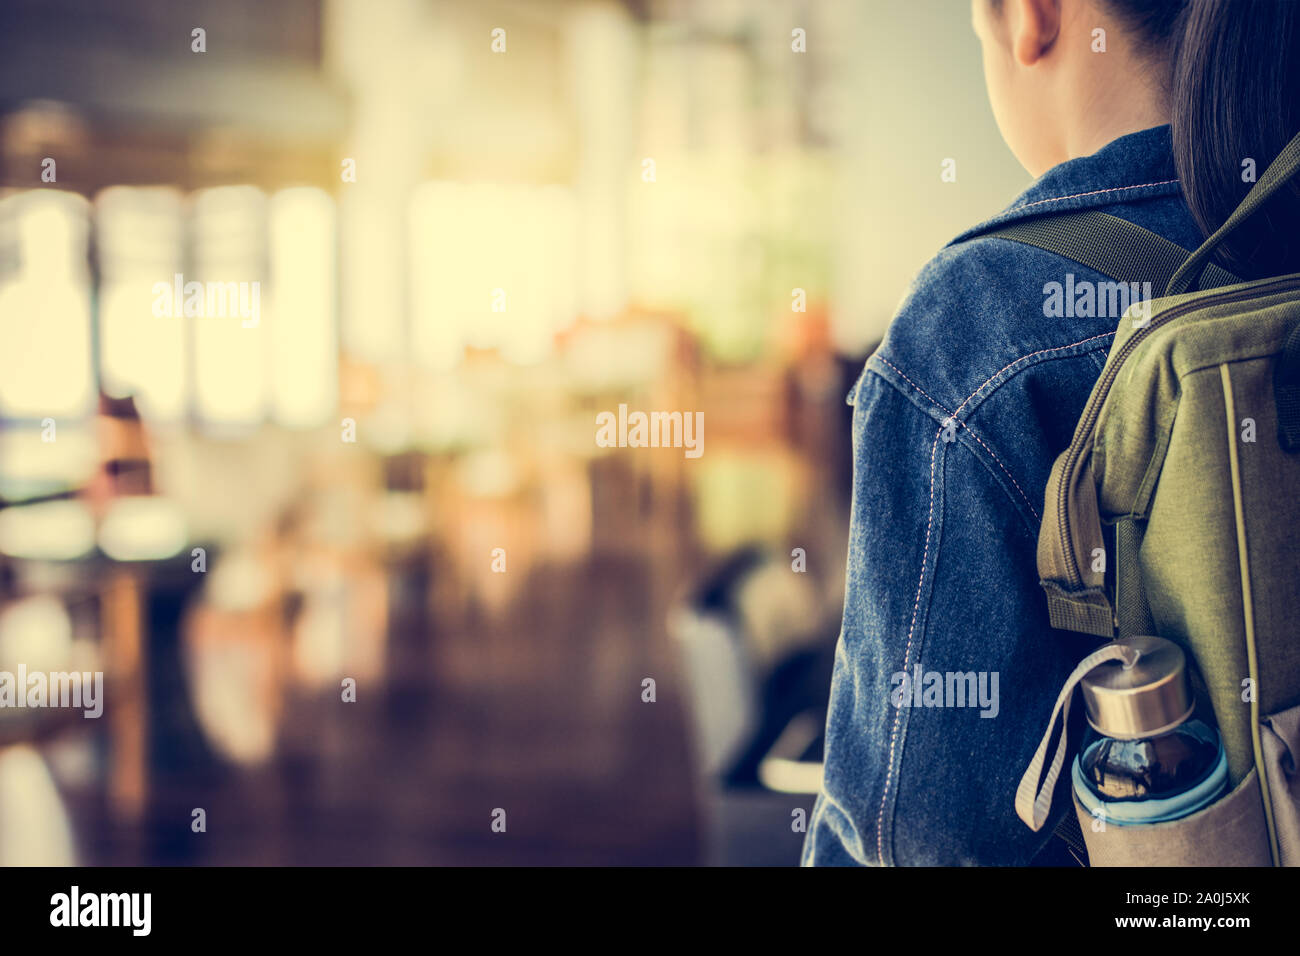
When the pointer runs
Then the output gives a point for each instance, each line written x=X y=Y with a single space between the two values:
x=492 y=266
x=140 y=237
x=45 y=362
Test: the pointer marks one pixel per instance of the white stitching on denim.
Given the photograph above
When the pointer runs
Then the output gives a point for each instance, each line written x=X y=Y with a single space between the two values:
x=937 y=404
x=1095 y=192
x=952 y=416
x=1059 y=348
x=1032 y=510
x=907 y=659
x=925 y=554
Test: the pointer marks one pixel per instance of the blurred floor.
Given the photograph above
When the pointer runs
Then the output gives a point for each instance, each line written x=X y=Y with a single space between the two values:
x=537 y=711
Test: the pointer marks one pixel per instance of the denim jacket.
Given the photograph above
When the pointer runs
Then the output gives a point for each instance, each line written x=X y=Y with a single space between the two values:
x=957 y=419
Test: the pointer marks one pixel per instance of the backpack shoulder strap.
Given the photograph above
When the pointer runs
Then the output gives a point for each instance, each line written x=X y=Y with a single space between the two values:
x=1279 y=173
x=1112 y=246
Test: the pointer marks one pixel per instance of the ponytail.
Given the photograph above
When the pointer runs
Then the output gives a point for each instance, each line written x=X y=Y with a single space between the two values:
x=1235 y=102
x=1233 y=75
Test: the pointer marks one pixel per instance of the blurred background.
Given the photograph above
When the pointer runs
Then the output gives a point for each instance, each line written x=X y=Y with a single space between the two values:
x=359 y=578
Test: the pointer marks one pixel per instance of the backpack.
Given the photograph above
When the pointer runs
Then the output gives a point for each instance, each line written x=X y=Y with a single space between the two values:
x=1175 y=512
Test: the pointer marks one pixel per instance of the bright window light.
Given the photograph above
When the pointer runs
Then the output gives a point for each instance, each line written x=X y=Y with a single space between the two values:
x=301 y=311
x=45 y=358
x=140 y=232
x=492 y=266
x=224 y=306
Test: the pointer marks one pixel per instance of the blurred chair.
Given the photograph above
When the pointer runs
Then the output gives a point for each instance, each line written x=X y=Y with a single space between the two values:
x=34 y=825
x=35 y=830
x=235 y=657
x=757 y=657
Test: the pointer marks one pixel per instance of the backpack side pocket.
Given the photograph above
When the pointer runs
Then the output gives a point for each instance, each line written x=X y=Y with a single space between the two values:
x=1229 y=832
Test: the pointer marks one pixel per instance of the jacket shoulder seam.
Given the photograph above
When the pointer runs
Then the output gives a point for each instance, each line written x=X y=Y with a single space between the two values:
x=1010 y=370
x=951 y=418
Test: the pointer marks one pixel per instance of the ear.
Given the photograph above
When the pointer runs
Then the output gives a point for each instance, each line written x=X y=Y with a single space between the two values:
x=1034 y=30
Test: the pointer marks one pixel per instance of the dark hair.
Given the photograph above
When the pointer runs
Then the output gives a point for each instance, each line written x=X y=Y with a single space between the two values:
x=1232 y=70
x=1235 y=95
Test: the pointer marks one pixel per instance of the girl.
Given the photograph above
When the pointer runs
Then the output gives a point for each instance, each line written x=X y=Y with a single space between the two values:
x=1155 y=111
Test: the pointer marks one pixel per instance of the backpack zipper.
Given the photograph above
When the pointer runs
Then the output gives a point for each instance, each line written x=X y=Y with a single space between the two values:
x=1093 y=409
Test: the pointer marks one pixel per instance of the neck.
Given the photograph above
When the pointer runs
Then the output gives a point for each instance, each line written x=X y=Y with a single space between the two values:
x=1101 y=96
x=1100 y=118
x=1108 y=94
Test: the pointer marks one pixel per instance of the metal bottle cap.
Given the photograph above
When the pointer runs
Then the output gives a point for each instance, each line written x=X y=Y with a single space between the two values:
x=1146 y=697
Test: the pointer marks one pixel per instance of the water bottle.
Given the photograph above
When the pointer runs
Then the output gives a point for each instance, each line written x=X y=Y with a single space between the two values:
x=1145 y=757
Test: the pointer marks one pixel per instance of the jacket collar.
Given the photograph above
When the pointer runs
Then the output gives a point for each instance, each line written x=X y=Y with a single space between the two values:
x=1136 y=166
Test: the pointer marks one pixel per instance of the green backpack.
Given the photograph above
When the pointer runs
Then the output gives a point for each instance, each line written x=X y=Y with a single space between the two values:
x=1184 y=470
